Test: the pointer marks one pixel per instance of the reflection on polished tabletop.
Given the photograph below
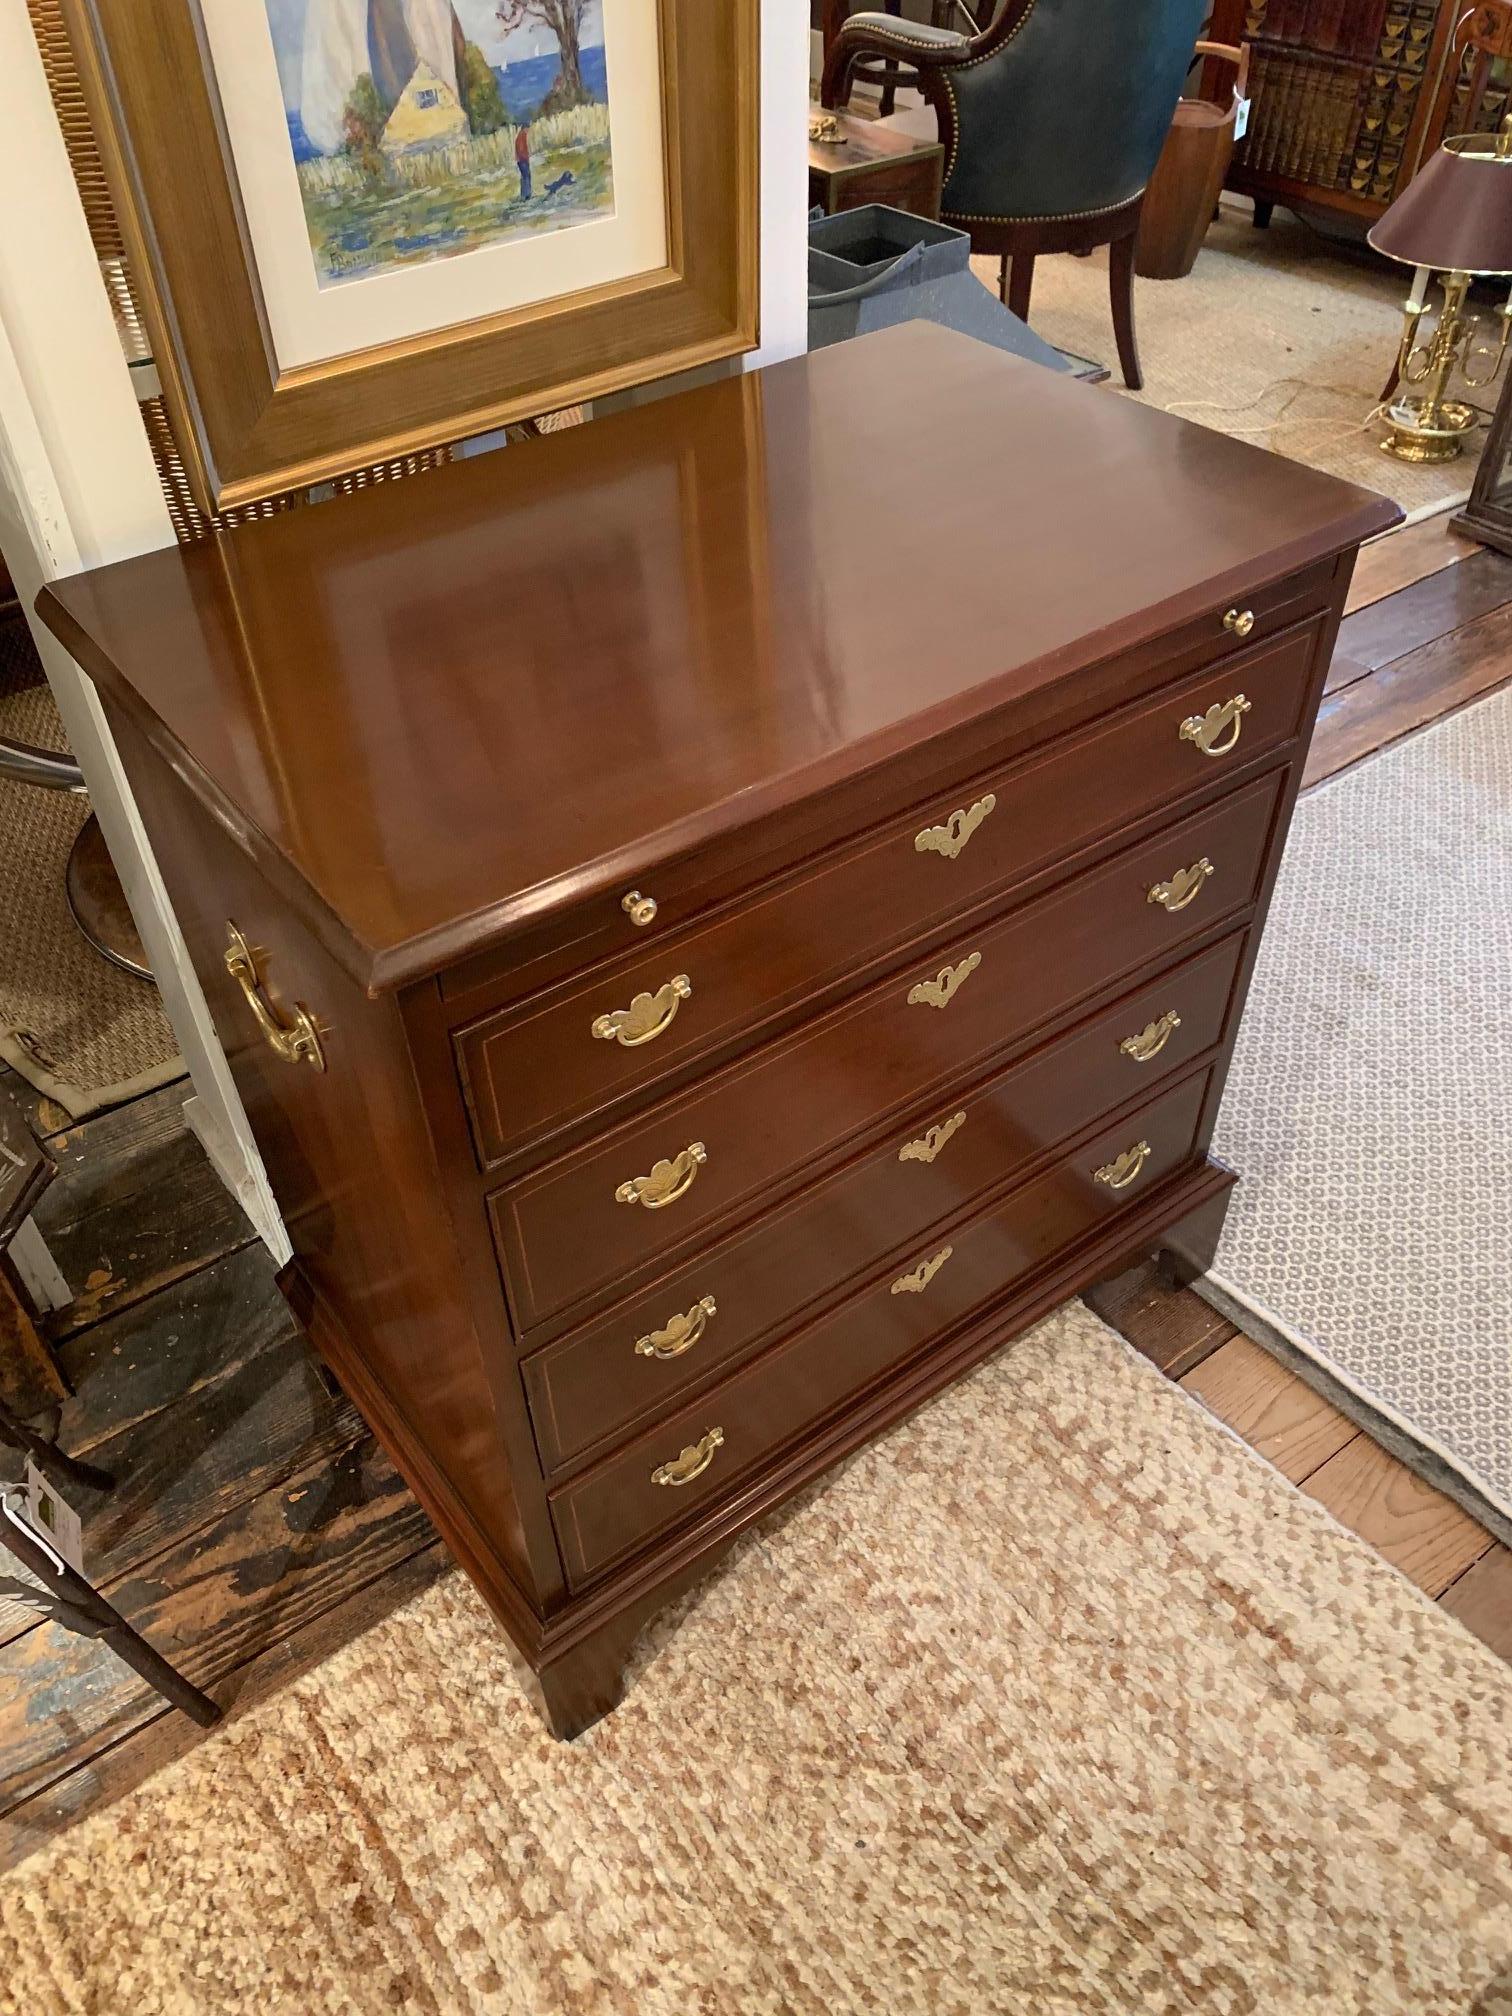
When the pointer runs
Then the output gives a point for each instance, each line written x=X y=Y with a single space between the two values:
x=512 y=680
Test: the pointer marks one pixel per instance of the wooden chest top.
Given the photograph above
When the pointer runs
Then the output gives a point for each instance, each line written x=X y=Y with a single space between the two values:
x=447 y=708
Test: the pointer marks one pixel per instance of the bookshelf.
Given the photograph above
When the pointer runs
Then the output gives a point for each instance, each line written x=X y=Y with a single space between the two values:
x=1349 y=96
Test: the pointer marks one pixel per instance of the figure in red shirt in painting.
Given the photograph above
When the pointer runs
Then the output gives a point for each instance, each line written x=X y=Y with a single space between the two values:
x=522 y=161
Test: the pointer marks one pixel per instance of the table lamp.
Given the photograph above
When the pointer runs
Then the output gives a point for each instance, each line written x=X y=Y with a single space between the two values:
x=1453 y=218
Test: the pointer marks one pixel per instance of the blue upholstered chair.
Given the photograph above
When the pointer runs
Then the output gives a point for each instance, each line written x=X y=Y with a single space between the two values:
x=1053 y=118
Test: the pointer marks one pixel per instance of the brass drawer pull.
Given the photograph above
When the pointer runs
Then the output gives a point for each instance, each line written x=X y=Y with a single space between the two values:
x=1239 y=622
x=951 y=838
x=1224 y=717
x=1184 y=887
x=932 y=1140
x=939 y=992
x=918 y=1280
x=690 y=1462
x=1152 y=1039
x=667 y=1182
x=680 y=1335
x=639 y=909
x=646 y=1017
x=296 y=1041
x=1121 y=1171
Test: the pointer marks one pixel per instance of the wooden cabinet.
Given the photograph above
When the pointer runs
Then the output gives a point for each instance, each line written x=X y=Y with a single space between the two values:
x=765 y=935
x=1349 y=97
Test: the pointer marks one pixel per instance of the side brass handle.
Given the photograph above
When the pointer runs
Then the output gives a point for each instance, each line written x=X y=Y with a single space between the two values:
x=941 y=991
x=690 y=1462
x=1224 y=717
x=1121 y=1171
x=646 y=1017
x=639 y=909
x=1239 y=622
x=1184 y=887
x=918 y=1280
x=667 y=1182
x=296 y=1041
x=1152 y=1039
x=680 y=1335
x=932 y=1140
x=951 y=838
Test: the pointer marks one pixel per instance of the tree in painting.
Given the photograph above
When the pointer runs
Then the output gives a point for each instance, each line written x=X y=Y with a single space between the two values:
x=565 y=20
x=422 y=129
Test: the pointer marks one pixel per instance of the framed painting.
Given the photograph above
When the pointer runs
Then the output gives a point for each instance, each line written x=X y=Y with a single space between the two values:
x=362 y=228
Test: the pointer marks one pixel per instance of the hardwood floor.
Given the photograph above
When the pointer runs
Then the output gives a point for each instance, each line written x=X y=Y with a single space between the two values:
x=256 y=1527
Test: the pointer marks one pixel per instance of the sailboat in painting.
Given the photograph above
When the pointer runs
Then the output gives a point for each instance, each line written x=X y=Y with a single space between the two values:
x=426 y=128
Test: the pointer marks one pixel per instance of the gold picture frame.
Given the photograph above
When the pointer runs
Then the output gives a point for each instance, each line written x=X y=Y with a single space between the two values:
x=248 y=429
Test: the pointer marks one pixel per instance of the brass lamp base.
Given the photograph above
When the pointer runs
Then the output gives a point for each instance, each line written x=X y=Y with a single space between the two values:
x=1426 y=430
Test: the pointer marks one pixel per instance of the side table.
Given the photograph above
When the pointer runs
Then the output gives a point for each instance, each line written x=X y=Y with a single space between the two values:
x=873 y=164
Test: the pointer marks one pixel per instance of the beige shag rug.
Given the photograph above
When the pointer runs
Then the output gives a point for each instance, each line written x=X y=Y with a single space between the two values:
x=1057 y=1702
x=73 y=1025
x=1275 y=336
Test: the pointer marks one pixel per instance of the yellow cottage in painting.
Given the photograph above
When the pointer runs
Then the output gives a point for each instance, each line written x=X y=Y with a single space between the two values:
x=428 y=114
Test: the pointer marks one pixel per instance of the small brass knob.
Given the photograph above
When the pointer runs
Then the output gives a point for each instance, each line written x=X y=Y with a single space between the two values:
x=1239 y=622
x=639 y=909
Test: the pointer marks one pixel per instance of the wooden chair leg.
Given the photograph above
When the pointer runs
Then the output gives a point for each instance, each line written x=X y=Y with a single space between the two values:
x=1021 y=285
x=1121 y=286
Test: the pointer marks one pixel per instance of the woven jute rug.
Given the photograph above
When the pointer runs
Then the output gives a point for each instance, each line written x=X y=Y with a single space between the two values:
x=1275 y=336
x=73 y=1025
x=1056 y=1702
x=1370 y=1106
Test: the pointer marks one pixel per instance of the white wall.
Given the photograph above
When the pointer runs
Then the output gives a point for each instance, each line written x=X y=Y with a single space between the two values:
x=784 y=180
x=78 y=488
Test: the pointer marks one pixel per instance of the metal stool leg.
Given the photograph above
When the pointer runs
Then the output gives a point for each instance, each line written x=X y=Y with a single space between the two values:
x=77 y=1606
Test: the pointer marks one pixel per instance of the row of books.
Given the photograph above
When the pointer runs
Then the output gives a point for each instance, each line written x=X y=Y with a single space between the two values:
x=1336 y=121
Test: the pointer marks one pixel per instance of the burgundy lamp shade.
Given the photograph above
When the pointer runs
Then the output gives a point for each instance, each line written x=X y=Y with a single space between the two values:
x=1456 y=215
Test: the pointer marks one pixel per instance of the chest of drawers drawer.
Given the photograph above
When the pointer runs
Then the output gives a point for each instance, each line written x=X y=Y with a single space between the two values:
x=755 y=1131
x=590 y=1046
x=674 y=1471
x=594 y=1385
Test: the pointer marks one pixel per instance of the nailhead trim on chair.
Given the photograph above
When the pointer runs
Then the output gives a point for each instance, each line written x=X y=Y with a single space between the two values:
x=1014 y=32
x=1052 y=217
x=912 y=41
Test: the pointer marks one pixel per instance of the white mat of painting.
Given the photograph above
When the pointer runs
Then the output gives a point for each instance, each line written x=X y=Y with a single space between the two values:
x=1370 y=1108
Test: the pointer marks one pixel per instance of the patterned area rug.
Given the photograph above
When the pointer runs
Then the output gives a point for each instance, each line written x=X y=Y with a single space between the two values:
x=73 y=1025
x=1058 y=1702
x=1275 y=336
x=1369 y=1111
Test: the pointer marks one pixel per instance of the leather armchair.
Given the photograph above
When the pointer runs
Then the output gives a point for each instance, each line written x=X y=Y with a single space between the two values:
x=1053 y=118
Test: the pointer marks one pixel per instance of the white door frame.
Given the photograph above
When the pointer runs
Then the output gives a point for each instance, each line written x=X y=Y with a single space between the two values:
x=78 y=487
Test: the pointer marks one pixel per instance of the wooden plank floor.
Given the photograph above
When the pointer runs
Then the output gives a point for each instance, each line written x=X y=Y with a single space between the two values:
x=256 y=1527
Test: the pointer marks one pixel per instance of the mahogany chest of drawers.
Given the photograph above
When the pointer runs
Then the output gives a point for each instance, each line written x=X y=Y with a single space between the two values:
x=722 y=918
